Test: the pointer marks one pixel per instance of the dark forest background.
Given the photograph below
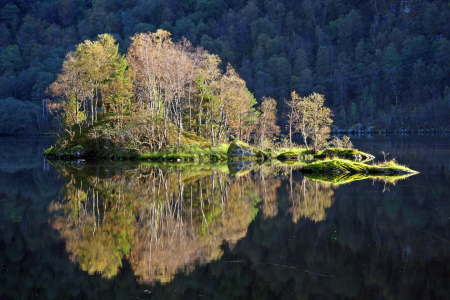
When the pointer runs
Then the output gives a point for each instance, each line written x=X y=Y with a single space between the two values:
x=379 y=63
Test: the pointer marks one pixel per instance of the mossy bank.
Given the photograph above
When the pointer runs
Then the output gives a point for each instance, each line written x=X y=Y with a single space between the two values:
x=194 y=148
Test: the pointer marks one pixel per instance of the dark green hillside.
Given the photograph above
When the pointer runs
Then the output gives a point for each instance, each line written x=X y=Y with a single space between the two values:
x=384 y=64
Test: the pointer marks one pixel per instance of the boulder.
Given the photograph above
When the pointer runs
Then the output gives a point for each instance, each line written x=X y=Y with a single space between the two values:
x=288 y=156
x=263 y=155
x=77 y=151
x=239 y=149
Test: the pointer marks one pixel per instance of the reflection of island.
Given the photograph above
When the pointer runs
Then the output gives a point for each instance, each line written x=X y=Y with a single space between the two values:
x=166 y=219
x=162 y=221
x=352 y=177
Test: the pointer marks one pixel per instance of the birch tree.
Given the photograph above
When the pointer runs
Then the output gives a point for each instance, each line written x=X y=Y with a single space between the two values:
x=208 y=74
x=69 y=92
x=314 y=120
x=293 y=115
x=267 y=126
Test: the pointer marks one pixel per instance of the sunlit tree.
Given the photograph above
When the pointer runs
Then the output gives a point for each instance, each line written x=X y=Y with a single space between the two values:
x=267 y=127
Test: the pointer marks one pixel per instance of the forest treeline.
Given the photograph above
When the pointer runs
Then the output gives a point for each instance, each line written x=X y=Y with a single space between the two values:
x=379 y=63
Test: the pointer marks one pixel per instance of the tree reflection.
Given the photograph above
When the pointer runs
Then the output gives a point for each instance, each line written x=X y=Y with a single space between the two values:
x=309 y=199
x=168 y=219
x=162 y=220
x=97 y=231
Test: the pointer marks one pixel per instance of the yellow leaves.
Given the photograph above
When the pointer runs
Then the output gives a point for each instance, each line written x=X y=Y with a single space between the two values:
x=86 y=75
x=162 y=36
x=94 y=59
x=311 y=118
x=209 y=67
x=161 y=69
x=236 y=100
x=267 y=121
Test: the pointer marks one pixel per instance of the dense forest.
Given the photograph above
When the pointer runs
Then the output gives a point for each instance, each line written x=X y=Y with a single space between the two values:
x=379 y=63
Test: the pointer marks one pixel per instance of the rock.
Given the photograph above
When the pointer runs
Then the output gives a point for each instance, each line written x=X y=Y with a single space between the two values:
x=357 y=157
x=263 y=155
x=287 y=156
x=77 y=151
x=239 y=149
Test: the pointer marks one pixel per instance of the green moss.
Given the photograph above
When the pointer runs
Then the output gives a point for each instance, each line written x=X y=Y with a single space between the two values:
x=288 y=156
x=342 y=166
x=239 y=149
x=262 y=155
x=189 y=153
x=48 y=151
x=349 y=153
x=191 y=138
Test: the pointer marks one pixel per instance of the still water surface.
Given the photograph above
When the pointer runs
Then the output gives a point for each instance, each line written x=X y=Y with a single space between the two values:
x=152 y=231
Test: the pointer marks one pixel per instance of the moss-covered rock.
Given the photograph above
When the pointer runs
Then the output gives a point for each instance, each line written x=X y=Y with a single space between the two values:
x=263 y=155
x=288 y=156
x=239 y=149
x=350 y=154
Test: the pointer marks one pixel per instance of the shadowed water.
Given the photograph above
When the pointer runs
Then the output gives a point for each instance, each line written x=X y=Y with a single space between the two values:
x=223 y=231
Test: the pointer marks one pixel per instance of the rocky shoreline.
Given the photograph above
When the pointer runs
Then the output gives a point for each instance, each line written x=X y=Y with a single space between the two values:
x=360 y=129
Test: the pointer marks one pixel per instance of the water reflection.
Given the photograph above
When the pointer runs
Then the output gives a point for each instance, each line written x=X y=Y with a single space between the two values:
x=164 y=221
x=167 y=219
x=370 y=245
x=309 y=199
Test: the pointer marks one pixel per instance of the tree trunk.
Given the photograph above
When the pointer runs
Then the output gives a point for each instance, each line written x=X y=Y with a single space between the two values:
x=179 y=133
x=190 y=108
x=96 y=103
x=200 y=118
x=92 y=111
x=290 y=134
x=240 y=128
x=306 y=143
x=76 y=108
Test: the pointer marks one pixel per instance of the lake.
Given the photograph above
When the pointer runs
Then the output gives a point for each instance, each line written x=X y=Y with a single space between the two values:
x=129 y=230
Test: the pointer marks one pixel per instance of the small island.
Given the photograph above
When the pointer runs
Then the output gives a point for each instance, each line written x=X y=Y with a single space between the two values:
x=166 y=101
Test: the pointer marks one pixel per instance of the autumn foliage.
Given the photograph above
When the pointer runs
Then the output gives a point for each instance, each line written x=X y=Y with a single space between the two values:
x=160 y=87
